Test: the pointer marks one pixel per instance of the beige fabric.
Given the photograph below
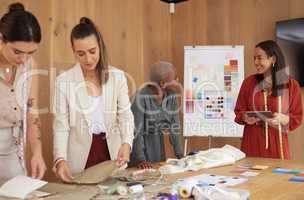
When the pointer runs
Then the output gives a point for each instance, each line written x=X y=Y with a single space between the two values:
x=12 y=106
x=7 y=142
x=97 y=173
x=72 y=108
x=14 y=97
x=9 y=117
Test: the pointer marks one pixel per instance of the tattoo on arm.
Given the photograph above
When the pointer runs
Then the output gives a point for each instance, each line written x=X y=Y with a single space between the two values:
x=30 y=104
x=37 y=123
x=39 y=135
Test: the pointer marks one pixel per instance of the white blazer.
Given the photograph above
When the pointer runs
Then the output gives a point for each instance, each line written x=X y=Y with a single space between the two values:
x=72 y=108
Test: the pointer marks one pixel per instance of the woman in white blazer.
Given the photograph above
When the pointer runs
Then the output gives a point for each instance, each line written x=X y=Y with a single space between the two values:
x=92 y=117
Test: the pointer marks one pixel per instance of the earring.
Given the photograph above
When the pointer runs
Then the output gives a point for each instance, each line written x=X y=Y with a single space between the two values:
x=272 y=64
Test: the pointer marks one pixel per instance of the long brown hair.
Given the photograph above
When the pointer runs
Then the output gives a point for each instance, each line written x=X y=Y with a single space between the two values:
x=87 y=28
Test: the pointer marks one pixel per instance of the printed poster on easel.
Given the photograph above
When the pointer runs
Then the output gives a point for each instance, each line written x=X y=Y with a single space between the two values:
x=212 y=79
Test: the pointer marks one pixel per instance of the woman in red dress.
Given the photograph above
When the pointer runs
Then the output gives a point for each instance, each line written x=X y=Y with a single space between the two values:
x=270 y=89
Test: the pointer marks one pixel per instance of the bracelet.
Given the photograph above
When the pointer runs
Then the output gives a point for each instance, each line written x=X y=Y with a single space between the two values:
x=57 y=161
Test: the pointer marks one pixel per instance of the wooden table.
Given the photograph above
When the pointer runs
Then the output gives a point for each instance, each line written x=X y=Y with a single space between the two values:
x=265 y=186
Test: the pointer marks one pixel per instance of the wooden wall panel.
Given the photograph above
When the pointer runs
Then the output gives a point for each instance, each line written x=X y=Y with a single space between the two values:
x=4 y=5
x=232 y=22
x=188 y=28
x=65 y=15
x=118 y=21
x=156 y=34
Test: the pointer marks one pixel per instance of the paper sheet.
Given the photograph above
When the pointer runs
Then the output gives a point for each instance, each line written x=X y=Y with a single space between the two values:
x=37 y=193
x=20 y=186
x=250 y=174
x=217 y=180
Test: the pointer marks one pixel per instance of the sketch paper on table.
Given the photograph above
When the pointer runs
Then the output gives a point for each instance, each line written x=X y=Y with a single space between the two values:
x=20 y=186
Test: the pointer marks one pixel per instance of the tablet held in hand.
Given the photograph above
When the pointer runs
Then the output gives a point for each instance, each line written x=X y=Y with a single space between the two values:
x=259 y=114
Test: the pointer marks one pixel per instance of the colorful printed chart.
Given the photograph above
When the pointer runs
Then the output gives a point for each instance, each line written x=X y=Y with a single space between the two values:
x=212 y=79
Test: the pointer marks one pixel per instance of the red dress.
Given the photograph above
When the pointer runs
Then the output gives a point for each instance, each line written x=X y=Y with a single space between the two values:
x=251 y=98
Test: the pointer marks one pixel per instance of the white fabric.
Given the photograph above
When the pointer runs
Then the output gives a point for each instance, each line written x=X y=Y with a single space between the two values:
x=214 y=157
x=97 y=116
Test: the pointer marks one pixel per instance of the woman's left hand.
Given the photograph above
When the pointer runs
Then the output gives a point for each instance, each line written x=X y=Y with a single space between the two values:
x=278 y=118
x=38 y=166
x=123 y=154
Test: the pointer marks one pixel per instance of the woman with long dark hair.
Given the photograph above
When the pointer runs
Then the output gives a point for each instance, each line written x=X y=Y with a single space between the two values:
x=270 y=89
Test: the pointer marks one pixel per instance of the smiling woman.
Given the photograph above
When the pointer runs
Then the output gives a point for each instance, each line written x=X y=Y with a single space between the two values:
x=270 y=89
x=20 y=36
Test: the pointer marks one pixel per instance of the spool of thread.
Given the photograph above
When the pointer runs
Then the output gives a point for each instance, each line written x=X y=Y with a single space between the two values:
x=121 y=190
x=185 y=192
x=185 y=188
x=136 y=188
